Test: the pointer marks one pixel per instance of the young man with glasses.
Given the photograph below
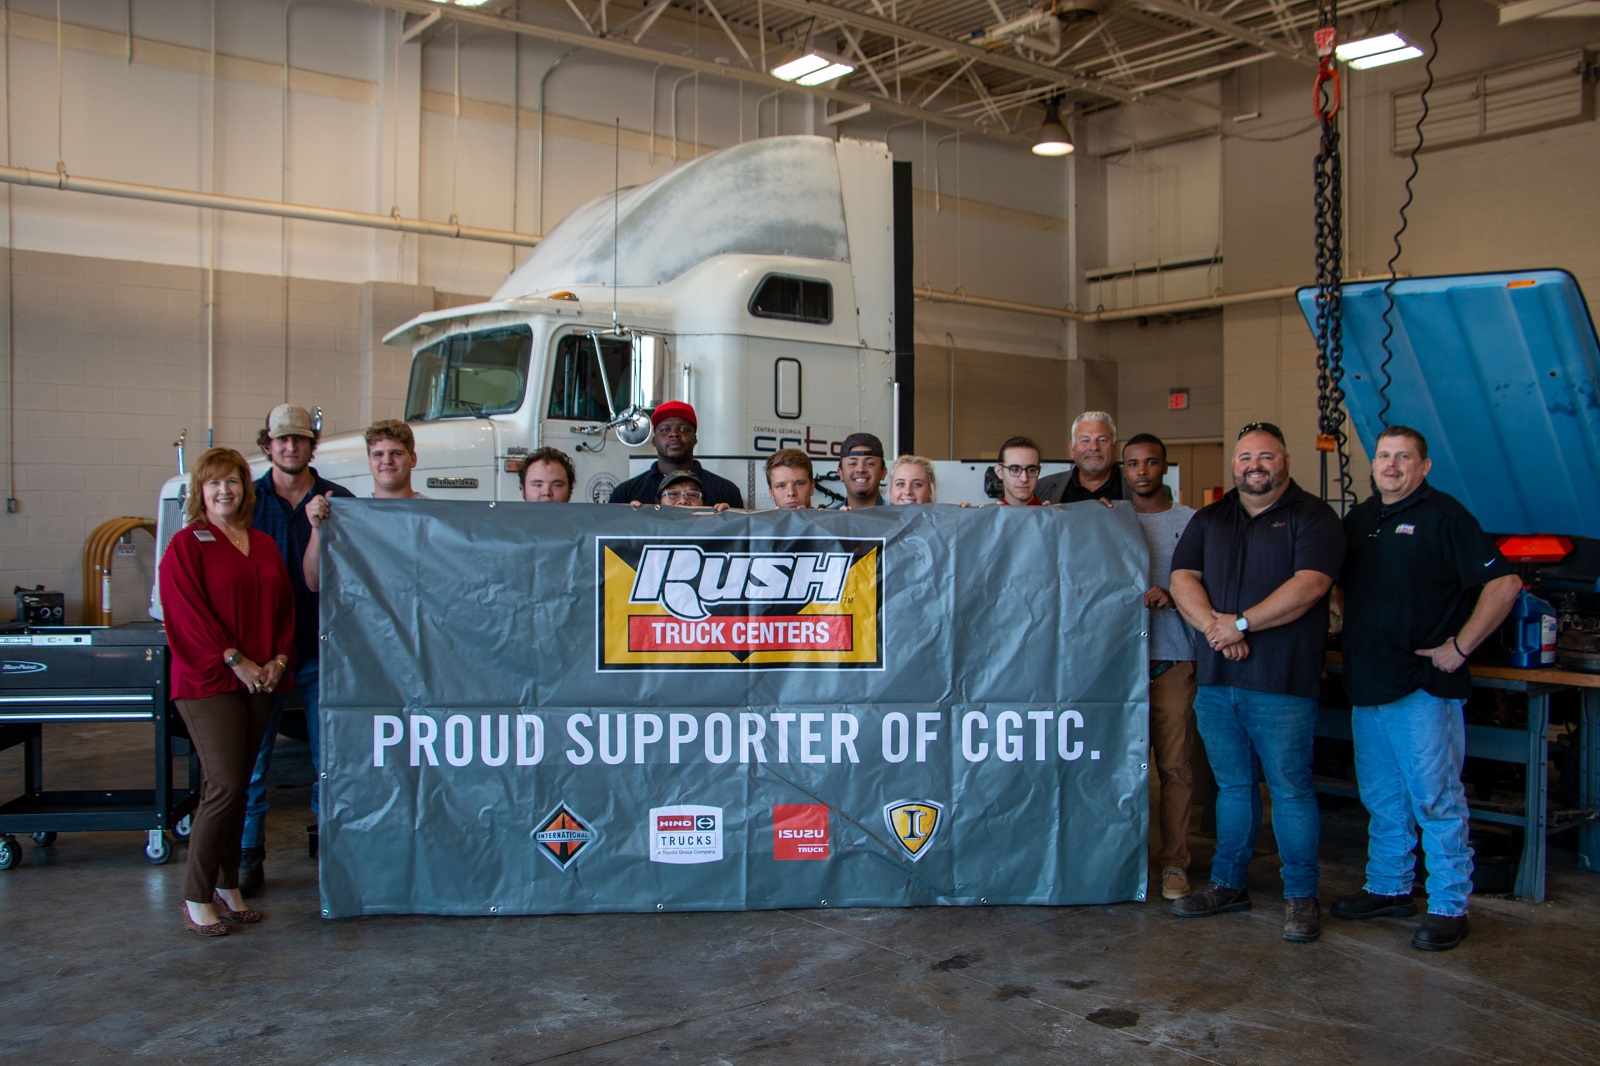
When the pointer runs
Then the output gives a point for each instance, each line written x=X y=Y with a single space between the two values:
x=1251 y=573
x=1018 y=471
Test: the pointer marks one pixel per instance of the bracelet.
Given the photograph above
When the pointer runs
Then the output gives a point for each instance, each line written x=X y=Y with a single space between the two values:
x=1457 y=647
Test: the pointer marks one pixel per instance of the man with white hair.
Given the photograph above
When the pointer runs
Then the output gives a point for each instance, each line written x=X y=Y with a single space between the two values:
x=1096 y=472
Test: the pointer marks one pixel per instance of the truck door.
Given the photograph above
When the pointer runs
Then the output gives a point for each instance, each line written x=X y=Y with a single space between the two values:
x=575 y=410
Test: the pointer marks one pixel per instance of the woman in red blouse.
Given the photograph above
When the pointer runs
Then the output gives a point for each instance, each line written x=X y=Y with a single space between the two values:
x=230 y=625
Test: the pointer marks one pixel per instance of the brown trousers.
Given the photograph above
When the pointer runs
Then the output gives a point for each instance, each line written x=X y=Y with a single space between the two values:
x=1172 y=746
x=226 y=731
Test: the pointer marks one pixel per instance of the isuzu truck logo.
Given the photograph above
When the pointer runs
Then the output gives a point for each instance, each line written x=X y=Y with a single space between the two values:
x=742 y=604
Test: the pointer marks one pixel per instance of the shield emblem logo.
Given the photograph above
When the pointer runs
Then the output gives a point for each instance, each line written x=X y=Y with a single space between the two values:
x=914 y=823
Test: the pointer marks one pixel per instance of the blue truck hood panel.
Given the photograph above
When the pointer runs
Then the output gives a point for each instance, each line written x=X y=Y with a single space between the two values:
x=1499 y=372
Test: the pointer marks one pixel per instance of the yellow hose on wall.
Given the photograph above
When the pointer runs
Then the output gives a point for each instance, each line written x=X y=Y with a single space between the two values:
x=97 y=555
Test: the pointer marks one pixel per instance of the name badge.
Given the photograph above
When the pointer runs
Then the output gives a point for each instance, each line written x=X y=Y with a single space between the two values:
x=205 y=536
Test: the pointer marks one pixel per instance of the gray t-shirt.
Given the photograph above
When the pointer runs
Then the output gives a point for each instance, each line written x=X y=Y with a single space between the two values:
x=1170 y=636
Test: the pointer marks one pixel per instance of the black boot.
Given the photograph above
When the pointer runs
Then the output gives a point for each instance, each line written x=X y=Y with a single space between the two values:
x=311 y=839
x=252 y=874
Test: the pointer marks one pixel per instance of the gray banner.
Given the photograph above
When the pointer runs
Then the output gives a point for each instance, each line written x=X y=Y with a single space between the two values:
x=539 y=709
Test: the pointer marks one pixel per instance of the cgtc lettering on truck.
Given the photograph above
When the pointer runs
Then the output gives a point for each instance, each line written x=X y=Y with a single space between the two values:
x=819 y=442
x=739 y=603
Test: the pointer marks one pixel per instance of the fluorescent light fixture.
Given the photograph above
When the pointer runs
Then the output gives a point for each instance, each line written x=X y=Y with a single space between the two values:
x=826 y=74
x=812 y=69
x=1053 y=139
x=1376 y=51
x=1383 y=59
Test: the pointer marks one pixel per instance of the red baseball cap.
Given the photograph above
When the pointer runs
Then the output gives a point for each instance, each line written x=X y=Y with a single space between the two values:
x=674 y=409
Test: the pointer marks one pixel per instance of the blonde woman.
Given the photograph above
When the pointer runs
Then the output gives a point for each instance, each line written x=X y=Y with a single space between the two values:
x=229 y=616
x=911 y=480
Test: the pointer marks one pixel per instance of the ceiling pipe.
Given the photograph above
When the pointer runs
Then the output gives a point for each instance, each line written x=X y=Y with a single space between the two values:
x=186 y=198
x=1170 y=307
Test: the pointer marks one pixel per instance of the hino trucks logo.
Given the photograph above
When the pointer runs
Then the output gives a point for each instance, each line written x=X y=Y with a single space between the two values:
x=684 y=580
x=739 y=603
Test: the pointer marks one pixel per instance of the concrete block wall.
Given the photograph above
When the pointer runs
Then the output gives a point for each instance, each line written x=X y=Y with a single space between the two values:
x=110 y=363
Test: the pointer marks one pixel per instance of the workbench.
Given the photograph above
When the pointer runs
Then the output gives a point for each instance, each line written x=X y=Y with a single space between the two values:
x=1528 y=747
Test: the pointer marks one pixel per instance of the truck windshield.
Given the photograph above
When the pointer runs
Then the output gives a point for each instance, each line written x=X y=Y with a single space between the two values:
x=470 y=374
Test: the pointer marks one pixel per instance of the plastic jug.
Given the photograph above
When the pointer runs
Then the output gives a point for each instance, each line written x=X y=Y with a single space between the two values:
x=1531 y=632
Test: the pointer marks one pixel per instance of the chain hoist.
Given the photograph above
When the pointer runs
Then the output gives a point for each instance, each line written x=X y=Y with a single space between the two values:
x=1329 y=199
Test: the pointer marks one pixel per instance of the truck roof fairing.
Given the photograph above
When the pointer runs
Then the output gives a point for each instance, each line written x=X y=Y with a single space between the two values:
x=778 y=196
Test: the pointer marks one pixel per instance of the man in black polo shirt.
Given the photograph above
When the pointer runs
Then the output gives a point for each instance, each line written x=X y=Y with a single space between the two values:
x=1251 y=573
x=675 y=427
x=1416 y=558
x=1096 y=472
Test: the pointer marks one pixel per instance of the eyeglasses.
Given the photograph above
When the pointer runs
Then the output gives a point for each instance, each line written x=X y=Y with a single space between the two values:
x=683 y=496
x=1018 y=471
x=1261 y=427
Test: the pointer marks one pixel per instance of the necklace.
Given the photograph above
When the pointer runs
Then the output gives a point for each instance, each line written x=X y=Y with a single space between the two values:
x=238 y=541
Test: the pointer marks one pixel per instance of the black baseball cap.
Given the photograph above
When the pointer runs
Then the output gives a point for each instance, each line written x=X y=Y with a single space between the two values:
x=862 y=443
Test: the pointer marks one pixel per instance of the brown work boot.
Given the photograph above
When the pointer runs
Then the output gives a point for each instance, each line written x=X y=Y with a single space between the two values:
x=1213 y=899
x=1302 y=919
x=252 y=871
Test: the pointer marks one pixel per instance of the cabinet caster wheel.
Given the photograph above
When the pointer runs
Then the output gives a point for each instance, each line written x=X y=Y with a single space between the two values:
x=10 y=852
x=183 y=826
x=44 y=840
x=156 y=849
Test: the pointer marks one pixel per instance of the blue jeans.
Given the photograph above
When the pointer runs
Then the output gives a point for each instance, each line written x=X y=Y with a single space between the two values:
x=255 y=813
x=1244 y=729
x=1408 y=765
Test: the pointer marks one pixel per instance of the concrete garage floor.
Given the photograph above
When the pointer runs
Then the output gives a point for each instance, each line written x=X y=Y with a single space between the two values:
x=99 y=969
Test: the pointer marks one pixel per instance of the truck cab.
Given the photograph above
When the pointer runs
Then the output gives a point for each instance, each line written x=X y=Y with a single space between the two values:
x=756 y=283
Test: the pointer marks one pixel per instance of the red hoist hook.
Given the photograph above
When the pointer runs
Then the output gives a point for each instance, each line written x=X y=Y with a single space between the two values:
x=1325 y=95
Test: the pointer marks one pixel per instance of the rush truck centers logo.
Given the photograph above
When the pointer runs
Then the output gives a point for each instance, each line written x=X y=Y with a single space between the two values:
x=739 y=604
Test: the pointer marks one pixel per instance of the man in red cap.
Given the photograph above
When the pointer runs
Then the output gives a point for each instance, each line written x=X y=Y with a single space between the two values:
x=674 y=437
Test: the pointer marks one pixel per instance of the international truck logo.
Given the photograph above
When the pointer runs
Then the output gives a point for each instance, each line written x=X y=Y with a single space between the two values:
x=914 y=823
x=562 y=836
x=739 y=604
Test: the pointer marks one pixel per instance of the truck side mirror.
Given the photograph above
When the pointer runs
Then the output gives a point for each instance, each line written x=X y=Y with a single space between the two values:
x=633 y=427
x=649 y=359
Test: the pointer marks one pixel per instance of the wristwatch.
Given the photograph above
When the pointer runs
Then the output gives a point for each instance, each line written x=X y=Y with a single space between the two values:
x=1242 y=624
x=235 y=659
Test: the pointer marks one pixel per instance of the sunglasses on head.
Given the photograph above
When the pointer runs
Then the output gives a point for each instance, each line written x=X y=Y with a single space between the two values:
x=1262 y=427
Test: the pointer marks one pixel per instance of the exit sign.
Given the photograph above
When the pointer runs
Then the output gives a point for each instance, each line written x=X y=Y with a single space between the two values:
x=1178 y=399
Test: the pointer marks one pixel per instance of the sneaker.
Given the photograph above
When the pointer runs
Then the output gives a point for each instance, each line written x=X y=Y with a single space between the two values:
x=1302 y=919
x=1213 y=899
x=1174 y=883
x=1440 y=932
x=252 y=871
x=1366 y=904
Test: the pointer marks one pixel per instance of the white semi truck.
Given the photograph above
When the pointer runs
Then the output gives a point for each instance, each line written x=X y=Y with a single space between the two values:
x=757 y=283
